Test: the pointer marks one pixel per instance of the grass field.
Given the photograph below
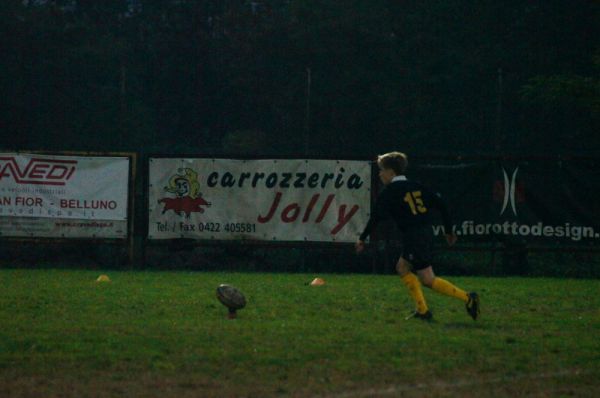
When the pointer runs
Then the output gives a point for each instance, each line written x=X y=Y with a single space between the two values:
x=163 y=334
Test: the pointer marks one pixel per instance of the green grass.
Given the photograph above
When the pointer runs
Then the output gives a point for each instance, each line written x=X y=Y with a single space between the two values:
x=164 y=334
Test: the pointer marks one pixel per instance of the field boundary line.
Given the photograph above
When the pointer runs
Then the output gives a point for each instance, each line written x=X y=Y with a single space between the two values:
x=393 y=390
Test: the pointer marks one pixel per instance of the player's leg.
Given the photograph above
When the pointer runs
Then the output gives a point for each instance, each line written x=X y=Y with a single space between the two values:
x=419 y=250
x=411 y=281
x=428 y=278
x=471 y=300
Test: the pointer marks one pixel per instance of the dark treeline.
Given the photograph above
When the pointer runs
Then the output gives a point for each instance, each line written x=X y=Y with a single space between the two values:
x=289 y=77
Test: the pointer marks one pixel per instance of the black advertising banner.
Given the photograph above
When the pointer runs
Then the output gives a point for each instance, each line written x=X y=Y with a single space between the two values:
x=534 y=201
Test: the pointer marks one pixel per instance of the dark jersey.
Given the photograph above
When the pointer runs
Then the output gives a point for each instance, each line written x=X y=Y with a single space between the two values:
x=409 y=204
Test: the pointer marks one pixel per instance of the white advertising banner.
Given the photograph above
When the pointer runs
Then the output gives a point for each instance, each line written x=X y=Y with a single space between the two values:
x=274 y=200
x=61 y=228
x=63 y=196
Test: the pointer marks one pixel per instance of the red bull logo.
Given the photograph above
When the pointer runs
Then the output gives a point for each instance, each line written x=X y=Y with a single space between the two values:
x=188 y=198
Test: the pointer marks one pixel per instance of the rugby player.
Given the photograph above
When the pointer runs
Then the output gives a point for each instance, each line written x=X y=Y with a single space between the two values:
x=409 y=205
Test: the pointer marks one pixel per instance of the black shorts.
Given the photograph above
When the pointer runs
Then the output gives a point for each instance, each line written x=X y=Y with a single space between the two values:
x=416 y=246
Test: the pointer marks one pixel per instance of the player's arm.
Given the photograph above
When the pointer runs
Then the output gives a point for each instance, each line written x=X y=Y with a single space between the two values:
x=380 y=212
x=438 y=203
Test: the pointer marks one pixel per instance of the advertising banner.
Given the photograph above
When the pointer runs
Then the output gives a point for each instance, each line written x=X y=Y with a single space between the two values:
x=274 y=200
x=537 y=201
x=63 y=196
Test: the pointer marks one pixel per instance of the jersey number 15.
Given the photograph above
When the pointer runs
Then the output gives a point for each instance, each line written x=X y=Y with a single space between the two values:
x=415 y=202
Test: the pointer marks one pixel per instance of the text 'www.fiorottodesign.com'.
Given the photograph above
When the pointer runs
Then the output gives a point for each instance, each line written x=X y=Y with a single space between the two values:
x=568 y=231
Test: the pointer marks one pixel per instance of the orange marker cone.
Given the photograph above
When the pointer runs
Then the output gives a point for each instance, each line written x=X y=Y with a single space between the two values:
x=317 y=282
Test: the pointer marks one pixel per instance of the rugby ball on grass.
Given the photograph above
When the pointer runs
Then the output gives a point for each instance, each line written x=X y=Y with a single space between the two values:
x=231 y=297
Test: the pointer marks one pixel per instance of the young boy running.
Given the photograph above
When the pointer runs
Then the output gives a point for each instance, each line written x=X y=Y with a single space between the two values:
x=409 y=204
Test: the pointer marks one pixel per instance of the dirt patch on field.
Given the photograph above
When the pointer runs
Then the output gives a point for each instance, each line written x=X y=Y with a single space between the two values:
x=571 y=383
x=567 y=383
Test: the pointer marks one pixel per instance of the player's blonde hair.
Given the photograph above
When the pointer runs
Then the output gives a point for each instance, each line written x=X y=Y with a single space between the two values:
x=396 y=161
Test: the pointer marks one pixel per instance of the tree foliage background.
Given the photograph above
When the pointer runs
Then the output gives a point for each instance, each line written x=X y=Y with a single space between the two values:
x=317 y=78
x=300 y=77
